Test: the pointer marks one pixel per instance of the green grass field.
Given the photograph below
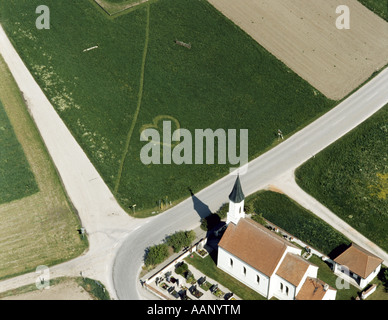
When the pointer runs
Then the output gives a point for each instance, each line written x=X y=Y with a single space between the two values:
x=350 y=177
x=16 y=178
x=138 y=74
x=301 y=223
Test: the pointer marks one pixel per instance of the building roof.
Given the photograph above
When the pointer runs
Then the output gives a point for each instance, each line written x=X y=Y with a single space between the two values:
x=237 y=194
x=293 y=268
x=313 y=289
x=359 y=260
x=255 y=245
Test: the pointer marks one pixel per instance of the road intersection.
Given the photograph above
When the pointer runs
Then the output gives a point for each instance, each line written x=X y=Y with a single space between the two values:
x=117 y=241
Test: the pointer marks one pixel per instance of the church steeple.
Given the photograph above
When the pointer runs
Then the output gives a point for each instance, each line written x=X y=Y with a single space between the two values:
x=236 y=203
x=237 y=194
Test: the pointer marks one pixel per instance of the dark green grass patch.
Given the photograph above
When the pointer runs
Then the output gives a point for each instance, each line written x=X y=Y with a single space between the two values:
x=351 y=178
x=380 y=7
x=226 y=80
x=16 y=179
x=299 y=222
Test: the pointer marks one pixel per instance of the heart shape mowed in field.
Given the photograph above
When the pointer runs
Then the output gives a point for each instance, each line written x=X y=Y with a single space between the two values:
x=155 y=125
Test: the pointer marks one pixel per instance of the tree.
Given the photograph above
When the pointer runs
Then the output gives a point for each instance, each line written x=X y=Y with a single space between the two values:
x=156 y=254
x=181 y=268
x=180 y=239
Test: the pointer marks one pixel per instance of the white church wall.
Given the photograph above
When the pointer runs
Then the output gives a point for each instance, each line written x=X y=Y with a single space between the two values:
x=330 y=295
x=281 y=289
x=236 y=212
x=365 y=282
x=243 y=272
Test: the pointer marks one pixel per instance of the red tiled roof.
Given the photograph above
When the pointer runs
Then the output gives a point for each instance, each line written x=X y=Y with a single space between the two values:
x=293 y=268
x=312 y=289
x=359 y=260
x=255 y=245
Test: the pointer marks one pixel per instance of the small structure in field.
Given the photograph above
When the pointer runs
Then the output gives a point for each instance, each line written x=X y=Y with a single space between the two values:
x=183 y=44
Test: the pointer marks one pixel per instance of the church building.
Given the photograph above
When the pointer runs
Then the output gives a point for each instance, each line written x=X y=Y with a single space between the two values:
x=264 y=261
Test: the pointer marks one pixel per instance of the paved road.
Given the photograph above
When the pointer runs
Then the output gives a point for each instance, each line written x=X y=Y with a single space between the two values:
x=266 y=170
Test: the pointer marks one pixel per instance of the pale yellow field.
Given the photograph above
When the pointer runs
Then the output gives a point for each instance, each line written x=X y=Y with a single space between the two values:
x=303 y=34
x=40 y=229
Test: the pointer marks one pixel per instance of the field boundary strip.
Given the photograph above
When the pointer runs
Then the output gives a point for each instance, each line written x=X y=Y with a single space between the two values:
x=139 y=101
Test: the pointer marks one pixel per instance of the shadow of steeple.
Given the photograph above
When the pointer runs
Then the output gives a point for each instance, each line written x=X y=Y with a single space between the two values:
x=201 y=208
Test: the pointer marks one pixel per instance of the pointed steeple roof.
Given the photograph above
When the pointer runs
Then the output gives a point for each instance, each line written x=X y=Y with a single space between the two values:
x=237 y=194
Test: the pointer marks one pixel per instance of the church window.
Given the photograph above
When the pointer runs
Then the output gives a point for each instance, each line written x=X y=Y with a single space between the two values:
x=257 y=279
x=281 y=287
x=286 y=290
x=231 y=262
x=245 y=271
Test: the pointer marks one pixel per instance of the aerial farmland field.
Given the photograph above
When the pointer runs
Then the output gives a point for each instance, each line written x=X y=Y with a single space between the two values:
x=137 y=75
x=16 y=178
x=37 y=223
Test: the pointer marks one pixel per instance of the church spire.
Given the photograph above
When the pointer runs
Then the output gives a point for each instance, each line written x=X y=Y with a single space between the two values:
x=236 y=203
x=237 y=194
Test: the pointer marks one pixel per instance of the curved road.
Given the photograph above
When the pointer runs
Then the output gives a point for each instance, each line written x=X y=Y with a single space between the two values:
x=265 y=170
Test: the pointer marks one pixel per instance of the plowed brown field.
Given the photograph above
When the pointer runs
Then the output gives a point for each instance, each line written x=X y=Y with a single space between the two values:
x=303 y=34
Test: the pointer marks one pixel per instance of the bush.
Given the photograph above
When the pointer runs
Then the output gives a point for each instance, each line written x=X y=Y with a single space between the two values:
x=259 y=219
x=181 y=268
x=180 y=239
x=156 y=254
x=222 y=212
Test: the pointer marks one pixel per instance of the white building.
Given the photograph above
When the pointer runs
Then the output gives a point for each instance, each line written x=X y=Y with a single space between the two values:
x=264 y=261
x=357 y=266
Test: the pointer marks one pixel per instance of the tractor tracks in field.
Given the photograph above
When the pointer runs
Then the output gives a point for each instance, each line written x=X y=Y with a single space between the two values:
x=139 y=101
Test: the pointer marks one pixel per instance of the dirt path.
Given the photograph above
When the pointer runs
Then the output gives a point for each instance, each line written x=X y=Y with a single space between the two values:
x=303 y=34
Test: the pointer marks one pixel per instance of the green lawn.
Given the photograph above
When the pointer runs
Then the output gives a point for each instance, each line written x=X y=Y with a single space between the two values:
x=296 y=220
x=350 y=177
x=107 y=95
x=16 y=178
